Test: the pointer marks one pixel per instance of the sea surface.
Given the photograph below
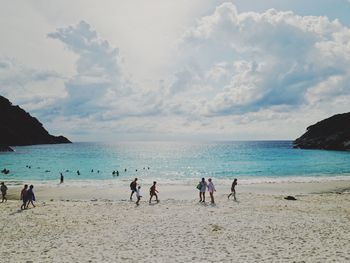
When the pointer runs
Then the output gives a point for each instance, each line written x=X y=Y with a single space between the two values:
x=174 y=162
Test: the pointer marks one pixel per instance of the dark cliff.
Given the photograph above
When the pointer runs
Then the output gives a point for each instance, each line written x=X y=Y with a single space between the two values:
x=17 y=128
x=329 y=134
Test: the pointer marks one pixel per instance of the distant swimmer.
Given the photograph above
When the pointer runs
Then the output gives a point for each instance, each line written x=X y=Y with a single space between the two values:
x=233 y=190
x=136 y=170
x=153 y=192
x=92 y=170
x=117 y=173
x=3 y=189
x=98 y=171
x=5 y=171
x=61 y=178
x=78 y=172
x=125 y=170
x=133 y=188
x=113 y=173
x=67 y=171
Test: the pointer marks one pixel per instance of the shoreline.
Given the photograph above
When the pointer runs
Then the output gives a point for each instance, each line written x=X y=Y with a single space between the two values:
x=120 y=190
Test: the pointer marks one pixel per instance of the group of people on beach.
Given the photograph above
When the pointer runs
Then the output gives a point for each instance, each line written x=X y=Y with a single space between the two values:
x=136 y=189
x=203 y=186
x=27 y=196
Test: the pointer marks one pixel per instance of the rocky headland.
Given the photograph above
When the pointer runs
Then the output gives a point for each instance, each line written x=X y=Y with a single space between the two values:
x=18 y=128
x=329 y=134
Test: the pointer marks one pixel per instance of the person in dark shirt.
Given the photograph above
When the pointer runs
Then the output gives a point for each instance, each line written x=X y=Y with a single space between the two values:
x=30 y=196
x=3 y=189
x=233 y=190
x=133 y=188
x=61 y=178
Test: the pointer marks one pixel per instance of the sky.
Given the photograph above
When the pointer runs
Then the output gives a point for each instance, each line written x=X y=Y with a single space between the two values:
x=176 y=70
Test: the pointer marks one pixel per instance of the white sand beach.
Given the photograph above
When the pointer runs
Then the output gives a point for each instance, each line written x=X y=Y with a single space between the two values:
x=90 y=226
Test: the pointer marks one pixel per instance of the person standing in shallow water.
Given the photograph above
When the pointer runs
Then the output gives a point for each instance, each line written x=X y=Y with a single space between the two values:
x=202 y=190
x=3 y=190
x=153 y=192
x=233 y=190
x=61 y=178
x=211 y=190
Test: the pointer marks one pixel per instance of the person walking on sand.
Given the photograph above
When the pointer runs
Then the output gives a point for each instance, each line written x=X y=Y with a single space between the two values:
x=202 y=190
x=133 y=188
x=233 y=190
x=199 y=187
x=30 y=196
x=153 y=192
x=3 y=190
x=23 y=196
x=211 y=190
x=138 y=195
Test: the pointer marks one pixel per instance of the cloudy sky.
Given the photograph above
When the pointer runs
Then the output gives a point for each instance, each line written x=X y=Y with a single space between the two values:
x=176 y=70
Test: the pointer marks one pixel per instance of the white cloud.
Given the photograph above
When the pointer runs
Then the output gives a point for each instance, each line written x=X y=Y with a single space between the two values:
x=245 y=75
x=273 y=58
x=33 y=88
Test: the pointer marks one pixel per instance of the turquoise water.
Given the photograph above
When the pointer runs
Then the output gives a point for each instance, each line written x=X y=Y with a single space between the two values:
x=173 y=161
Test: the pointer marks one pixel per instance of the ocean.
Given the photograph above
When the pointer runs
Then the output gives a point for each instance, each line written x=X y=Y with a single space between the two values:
x=173 y=162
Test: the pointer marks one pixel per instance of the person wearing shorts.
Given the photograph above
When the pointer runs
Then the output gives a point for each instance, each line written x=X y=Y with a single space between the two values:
x=202 y=190
x=153 y=192
x=133 y=188
x=23 y=197
x=3 y=189
x=233 y=190
x=211 y=190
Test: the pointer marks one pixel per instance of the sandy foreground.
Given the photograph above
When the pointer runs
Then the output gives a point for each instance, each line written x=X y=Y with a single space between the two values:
x=100 y=225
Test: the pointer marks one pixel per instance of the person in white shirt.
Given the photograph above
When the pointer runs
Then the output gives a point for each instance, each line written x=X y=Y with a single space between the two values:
x=211 y=190
x=138 y=195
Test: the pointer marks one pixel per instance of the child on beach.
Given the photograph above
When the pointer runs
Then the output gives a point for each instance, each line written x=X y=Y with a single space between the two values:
x=30 y=196
x=23 y=197
x=3 y=190
x=211 y=190
x=153 y=192
x=138 y=195
x=233 y=190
